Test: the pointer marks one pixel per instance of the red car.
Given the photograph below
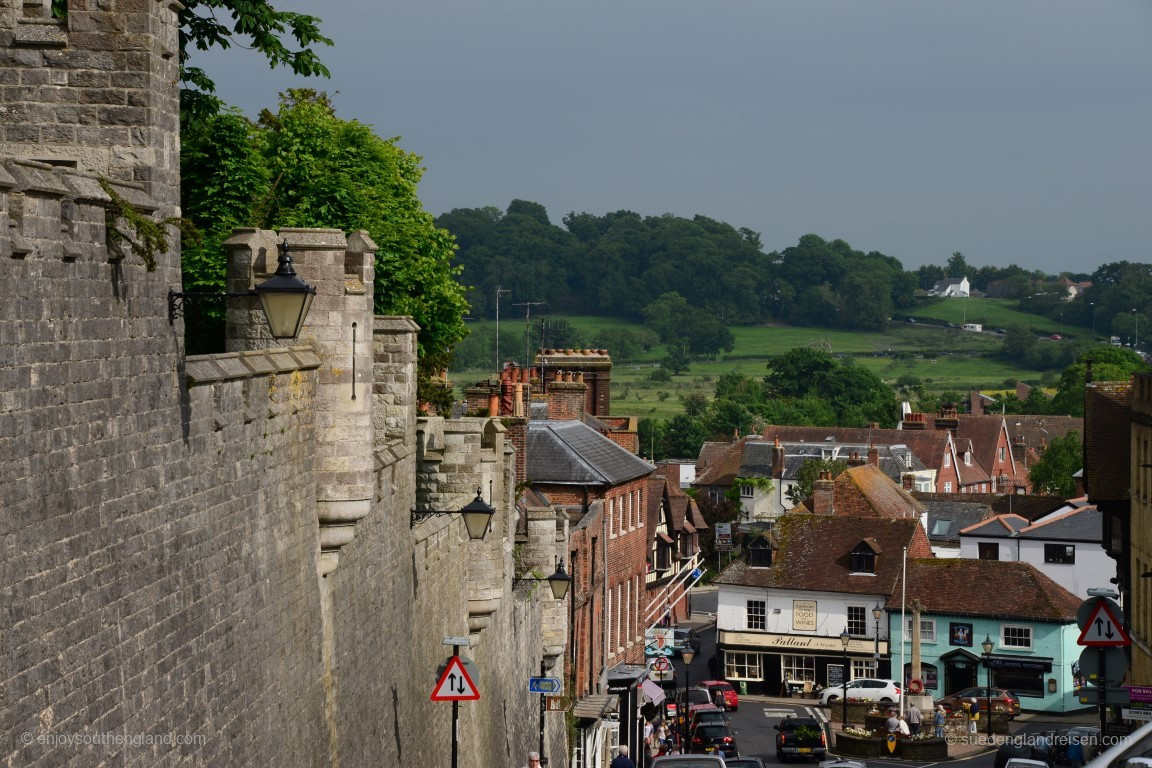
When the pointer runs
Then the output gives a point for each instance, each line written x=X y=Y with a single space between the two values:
x=722 y=689
x=1002 y=700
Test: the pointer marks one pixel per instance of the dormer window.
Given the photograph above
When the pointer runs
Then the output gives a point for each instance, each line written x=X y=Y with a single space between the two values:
x=760 y=553
x=968 y=458
x=908 y=461
x=863 y=558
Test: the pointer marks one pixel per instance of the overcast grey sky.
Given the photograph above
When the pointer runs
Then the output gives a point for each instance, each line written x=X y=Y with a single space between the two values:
x=1011 y=130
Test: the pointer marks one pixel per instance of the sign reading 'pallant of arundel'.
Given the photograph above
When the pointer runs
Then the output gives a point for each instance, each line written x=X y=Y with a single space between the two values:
x=804 y=615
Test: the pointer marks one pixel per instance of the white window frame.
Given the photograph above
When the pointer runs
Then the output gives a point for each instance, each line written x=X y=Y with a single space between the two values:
x=747 y=491
x=947 y=460
x=739 y=665
x=753 y=617
x=1023 y=630
x=859 y=622
x=864 y=668
x=948 y=487
x=927 y=629
x=798 y=668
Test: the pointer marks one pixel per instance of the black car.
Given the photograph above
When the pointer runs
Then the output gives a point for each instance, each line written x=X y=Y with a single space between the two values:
x=711 y=738
x=801 y=737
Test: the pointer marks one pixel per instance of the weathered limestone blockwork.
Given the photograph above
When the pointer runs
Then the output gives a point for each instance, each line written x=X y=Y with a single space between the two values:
x=95 y=92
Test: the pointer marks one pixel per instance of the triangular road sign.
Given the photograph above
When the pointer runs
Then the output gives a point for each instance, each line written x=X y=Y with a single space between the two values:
x=1103 y=629
x=455 y=684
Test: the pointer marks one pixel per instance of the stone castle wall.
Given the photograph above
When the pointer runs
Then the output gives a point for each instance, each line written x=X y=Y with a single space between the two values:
x=171 y=566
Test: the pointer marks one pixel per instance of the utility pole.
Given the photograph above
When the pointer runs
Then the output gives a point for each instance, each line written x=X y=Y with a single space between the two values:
x=528 y=328
x=499 y=290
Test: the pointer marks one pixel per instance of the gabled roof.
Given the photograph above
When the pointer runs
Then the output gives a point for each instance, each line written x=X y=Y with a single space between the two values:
x=879 y=495
x=1078 y=521
x=814 y=554
x=719 y=463
x=972 y=473
x=757 y=458
x=572 y=453
x=998 y=527
x=948 y=517
x=947 y=586
x=984 y=431
x=681 y=507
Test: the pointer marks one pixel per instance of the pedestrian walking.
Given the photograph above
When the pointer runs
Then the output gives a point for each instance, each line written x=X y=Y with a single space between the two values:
x=533 y=760
x=914 y=719
x=622 y=760
x=938 y=719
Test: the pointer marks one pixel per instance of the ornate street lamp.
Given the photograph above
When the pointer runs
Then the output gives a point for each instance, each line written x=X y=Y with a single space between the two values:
x=558 y=581
x=987 y=646
x=877 y=612
x=284 y=297
x=845 y=638
x=686 y=655
x=477 y=516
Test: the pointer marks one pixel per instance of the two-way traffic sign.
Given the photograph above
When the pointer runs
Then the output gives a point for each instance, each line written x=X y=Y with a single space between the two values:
x=1103 y=628
x=455 y=684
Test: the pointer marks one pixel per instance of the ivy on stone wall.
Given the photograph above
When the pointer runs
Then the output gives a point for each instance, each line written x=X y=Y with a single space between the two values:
x=148 y=237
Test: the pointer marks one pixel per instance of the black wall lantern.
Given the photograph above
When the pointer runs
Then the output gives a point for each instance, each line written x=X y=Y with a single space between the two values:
x=558 y=581
x=477 y=516
x=284 y=297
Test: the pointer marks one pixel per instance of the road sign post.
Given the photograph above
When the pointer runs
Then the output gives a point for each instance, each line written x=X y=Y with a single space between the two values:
x=1101 y=625
x=455 y=686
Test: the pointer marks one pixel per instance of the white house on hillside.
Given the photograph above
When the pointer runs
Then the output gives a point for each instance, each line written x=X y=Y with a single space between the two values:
x=951 y=287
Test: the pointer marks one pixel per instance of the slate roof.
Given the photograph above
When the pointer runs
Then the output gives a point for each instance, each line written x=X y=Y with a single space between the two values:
x=757 y=458
x=946 y=518
x=572 y=453
x=813 y=554
x=928 y=445
x=998 y=527
x=1079 y=521
x=950 y=586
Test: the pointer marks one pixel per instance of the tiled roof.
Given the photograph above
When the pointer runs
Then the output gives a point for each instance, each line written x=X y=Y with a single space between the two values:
x=681 y=507
x=813 y=554
x=570 y=452
x=719 y=463
x=884 y=497
x=984 y=432
x=964 y=587
x=998 y=527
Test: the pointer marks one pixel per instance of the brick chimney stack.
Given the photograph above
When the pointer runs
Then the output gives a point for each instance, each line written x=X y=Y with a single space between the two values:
x=874 y=456
x=822 y=492
x=777 y=459
x=908 y=481
x=566 y=397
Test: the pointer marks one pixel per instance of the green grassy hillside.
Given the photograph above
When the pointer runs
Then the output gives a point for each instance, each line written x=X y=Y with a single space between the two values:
x=943 y=358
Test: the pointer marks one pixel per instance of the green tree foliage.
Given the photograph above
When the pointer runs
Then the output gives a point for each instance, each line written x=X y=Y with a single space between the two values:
x=1053 y=473
x=303 y=166
x=1108 y=364
x=807 y=475
x=681 y=437
x=855 y=395
x=253 y=24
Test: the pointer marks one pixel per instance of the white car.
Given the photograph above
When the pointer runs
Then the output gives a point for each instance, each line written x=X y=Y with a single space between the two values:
x=864 y=689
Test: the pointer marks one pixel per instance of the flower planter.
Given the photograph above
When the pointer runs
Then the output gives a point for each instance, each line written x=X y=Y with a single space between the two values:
x=872 y=747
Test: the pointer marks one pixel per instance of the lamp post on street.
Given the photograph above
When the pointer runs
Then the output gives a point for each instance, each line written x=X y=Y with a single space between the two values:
x=987 y=647
x=845 y=638
x=686 y=656
x=877 y=612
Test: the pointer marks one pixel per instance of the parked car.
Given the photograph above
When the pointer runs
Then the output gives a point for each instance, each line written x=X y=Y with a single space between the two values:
x=1002 y=700
x=745 y=762
x=866 y=688
x=801 y=737
x=1024 y=762
x=695 y=696
x=723 y=689
x=709 y=738
x=689 y=761
x=707 y=713
x=842 y=762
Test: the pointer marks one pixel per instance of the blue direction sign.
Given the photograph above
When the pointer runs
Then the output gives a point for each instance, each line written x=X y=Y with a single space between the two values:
x=544 y=685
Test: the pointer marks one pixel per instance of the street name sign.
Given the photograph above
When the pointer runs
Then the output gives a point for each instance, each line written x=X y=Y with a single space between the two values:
x=545 y=685
x=455 y=684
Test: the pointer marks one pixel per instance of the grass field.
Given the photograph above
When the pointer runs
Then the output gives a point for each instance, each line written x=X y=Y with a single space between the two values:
x=945 y=359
